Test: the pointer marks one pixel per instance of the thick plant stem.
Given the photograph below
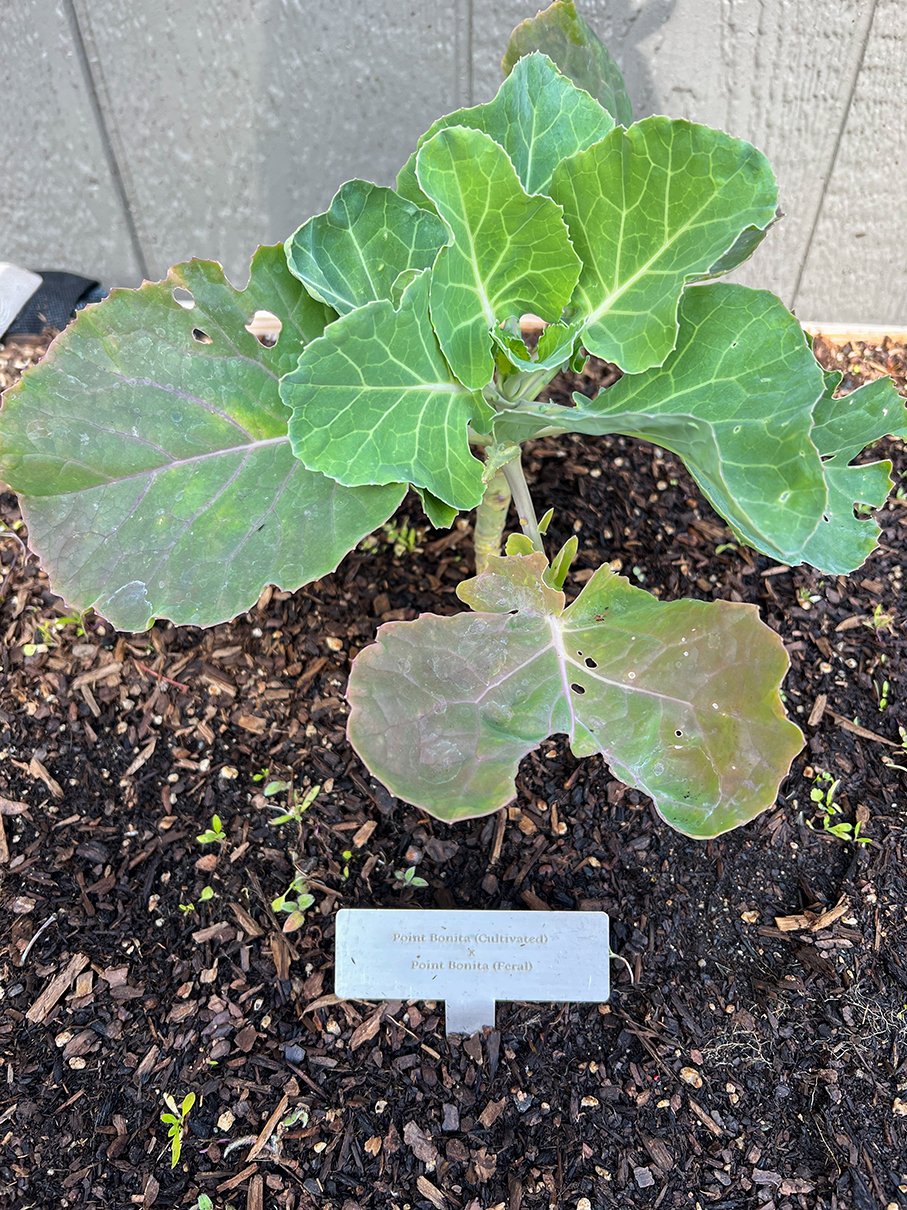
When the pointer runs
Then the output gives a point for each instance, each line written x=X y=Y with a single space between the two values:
x=491 y=516
x=523 y=502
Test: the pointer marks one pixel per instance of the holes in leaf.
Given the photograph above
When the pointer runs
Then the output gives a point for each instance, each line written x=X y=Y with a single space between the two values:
x=826 y=457
x=183 y=297
x=202 y=337
x=678 y=733
x=577 y=689
x=265 y=327
x=589 y=662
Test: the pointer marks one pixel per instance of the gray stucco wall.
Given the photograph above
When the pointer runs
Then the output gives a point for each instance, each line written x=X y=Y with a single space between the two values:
x=135 y=133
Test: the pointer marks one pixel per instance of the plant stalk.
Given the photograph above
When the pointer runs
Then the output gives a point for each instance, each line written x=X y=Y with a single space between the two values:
x=491 y=517
x=523 y=387
x=519 y=488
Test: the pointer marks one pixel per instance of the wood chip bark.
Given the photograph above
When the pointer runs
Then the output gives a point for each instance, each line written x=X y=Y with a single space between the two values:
x=255 y=1198
x=492 y=1112
x=37 y=769
x=815 y=715
x=814 y=922
x=97 y=674
x=420 y=1144
x=10 y=806
x=362 y=835
x=56 y=988
x=431 y=1192
x=238 y=1179
x=366 y=1031
x=268 y=1129
x=705 y=1119
x=863 y=732
x=246 y=922
x=143 y=757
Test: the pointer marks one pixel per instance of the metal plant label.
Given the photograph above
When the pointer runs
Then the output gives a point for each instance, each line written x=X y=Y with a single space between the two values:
x=471 y=959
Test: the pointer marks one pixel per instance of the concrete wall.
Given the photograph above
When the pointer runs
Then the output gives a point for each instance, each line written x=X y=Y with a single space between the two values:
x=135 y=133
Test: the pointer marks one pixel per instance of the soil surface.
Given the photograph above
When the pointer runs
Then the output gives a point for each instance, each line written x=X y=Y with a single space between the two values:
x=753 y=1053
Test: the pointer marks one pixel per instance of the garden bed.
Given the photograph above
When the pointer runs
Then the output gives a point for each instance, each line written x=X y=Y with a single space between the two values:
x=754 y=1059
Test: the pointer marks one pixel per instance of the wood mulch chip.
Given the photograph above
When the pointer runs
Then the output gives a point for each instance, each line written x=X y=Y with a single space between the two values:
x=753 y=1054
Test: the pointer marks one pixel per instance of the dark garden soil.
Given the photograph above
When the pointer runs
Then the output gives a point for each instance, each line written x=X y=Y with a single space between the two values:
x=753 y=1054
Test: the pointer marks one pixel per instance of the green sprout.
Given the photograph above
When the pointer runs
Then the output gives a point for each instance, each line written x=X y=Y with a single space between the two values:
x=880 y=619
x=176 y=1120
x=213 y=835
x=296 y=901
x=806 y=598
x=297 y=802
x=275 y=787
x=826 y=796
x=206 y=893
x=408 y=877
x=49 y=630
x=823 y=796
x=261 y=774
x=403 y=538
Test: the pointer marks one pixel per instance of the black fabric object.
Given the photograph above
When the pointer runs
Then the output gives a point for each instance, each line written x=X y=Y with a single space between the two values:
x=53 y=303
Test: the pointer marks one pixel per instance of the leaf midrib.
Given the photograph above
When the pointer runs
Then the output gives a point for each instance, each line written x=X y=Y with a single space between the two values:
x=193 y=459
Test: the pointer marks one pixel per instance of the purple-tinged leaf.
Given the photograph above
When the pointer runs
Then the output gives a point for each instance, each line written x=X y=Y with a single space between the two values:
x=682 y=699
x=151 y=454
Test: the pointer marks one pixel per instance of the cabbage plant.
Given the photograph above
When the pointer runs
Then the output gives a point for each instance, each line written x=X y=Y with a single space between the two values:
x=170 y=464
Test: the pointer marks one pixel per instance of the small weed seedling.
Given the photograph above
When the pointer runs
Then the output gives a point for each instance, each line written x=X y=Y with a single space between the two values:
x=274 y=787
x=176 y=1119
x=213 y=835
x=206 y=893
x=806 y=598
x=296 y=900
x=409 y=877
x=49 y=632
x=203 y=1203
x=823 y=796
x=880 y=620
x=172 y=465
x=297 y=802
x=402 y=538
